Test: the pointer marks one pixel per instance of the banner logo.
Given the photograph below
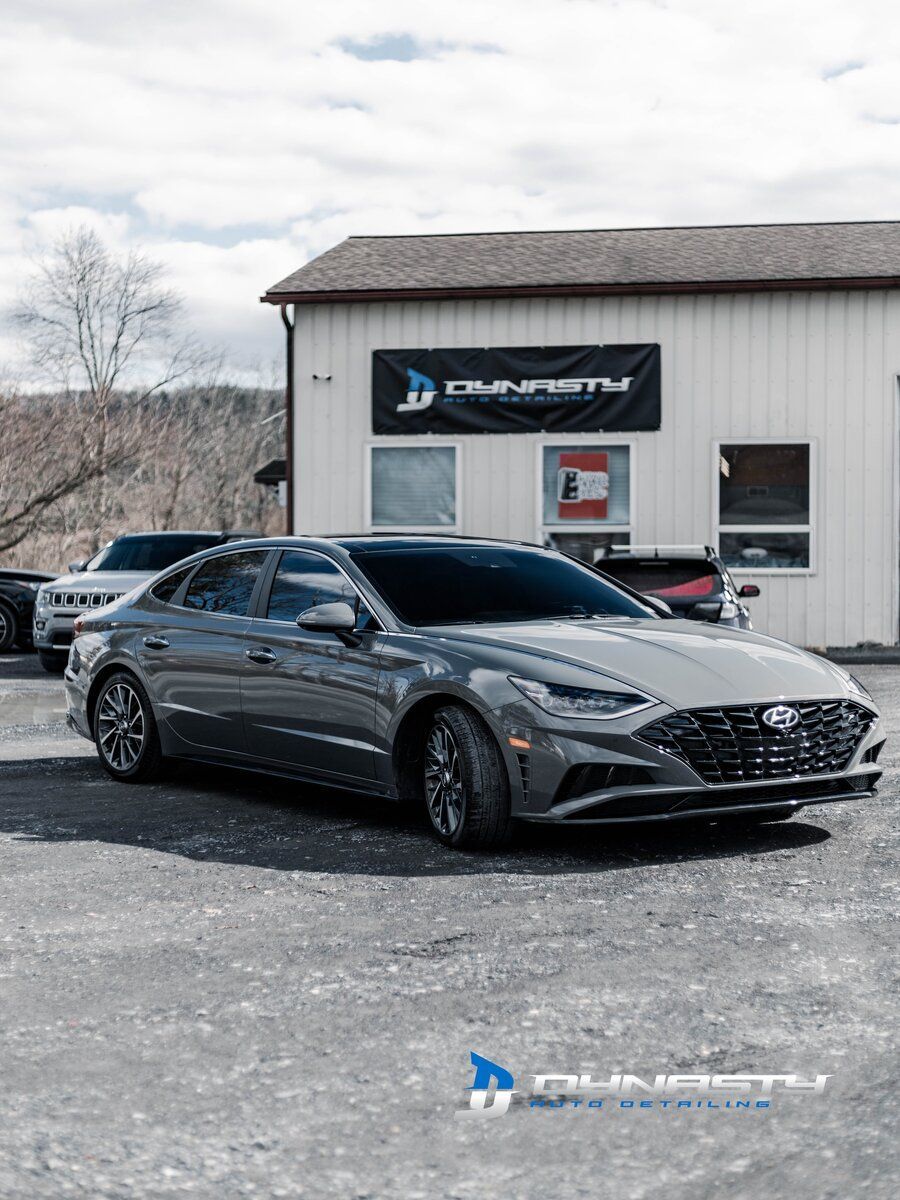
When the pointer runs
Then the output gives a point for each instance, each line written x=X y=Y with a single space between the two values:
x=516 y=389
x=420 y=392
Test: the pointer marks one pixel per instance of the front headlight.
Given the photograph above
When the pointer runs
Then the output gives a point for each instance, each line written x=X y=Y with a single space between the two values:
x=851 y=681
x=564 y=701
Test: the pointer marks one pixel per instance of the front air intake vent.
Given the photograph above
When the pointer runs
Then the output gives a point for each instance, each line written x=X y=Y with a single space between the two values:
x=525 y=775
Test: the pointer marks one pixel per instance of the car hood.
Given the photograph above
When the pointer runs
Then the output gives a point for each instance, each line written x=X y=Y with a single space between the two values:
x=686 y=664
x=99 y=581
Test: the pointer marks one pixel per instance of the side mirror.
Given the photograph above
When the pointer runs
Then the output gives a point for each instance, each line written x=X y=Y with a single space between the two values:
x=76 y=567
x=706 y=610
x=748 y=591
x=660 y=605
x=337 y=617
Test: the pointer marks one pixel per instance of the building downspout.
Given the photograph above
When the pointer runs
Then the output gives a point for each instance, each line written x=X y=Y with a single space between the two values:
x=289 y=423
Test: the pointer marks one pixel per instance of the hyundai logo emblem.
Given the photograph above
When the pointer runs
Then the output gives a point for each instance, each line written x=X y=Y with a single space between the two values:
x=781 y=717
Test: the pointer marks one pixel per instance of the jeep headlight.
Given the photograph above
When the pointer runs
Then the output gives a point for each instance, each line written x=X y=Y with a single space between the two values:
x=564 y=701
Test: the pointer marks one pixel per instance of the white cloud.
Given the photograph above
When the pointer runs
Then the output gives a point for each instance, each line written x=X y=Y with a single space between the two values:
x=234 y=138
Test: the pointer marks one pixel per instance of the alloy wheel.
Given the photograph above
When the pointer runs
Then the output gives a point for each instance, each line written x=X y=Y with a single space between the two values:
x=443 y=780
x=120 y=727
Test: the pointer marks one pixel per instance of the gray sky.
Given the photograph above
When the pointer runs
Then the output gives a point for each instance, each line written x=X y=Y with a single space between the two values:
x=235 y=139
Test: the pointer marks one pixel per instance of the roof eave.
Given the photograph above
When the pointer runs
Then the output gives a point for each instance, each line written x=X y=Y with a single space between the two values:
x=362 y=295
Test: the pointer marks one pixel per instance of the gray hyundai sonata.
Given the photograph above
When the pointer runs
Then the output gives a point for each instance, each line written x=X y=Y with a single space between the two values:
x=492 y=682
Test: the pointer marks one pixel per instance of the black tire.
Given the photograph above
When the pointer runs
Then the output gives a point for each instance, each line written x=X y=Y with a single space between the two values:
x=9 y=628
x=125 y=731
x=471 y=811
x=53 y=663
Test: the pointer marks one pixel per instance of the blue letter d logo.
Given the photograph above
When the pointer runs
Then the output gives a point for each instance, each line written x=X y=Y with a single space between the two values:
x=485 y=1072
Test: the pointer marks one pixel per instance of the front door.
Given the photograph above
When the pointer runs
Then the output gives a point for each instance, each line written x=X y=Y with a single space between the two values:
x=193 y=656
x=309 y=697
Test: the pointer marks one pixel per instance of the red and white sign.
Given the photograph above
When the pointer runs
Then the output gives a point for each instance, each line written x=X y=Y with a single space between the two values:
x=582 y=485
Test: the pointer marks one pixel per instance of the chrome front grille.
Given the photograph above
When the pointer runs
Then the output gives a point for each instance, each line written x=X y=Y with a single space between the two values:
x=734 y=745
x=82 y=600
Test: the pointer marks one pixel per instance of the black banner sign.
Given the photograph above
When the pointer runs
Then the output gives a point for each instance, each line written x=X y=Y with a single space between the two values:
x=525 y=389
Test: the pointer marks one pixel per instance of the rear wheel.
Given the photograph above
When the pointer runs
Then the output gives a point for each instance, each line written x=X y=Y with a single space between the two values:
x=9 y=628
x=53 y=663
x=125 y=730
x=465 y=781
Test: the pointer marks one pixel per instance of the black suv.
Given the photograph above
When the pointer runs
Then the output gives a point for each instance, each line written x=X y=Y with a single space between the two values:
x=18 y=589
x=692 y=580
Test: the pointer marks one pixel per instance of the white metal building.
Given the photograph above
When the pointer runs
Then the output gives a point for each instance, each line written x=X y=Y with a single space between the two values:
x=777 y=438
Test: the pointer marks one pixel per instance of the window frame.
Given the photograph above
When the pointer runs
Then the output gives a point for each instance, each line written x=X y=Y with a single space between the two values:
x=177 y=600
x=413 y=443
x=260 y=607
x=810 y=529
x=151 y=591
x=600 y=441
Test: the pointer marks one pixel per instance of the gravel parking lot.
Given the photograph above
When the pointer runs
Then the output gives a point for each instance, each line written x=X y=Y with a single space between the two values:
x=229 y=986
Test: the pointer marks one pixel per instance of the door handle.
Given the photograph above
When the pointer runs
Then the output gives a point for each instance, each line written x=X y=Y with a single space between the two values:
x=262 y=655
x=155 y=642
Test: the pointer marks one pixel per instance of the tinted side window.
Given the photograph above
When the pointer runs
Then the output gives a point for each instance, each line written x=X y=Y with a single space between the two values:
x=166 y=588
x=225 y=584
x=304 y=580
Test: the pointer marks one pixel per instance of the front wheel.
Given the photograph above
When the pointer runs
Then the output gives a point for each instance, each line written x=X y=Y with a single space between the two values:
x=465 y=780
x=53 y=664
x=125 y=730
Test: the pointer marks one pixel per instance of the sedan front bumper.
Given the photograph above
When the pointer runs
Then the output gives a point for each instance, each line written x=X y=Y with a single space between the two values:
x=625 y=805
x=606 y=772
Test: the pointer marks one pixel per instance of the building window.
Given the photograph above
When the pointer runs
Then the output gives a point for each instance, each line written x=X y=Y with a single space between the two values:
x=764 y=516
x=585 y=497
x=414 y=487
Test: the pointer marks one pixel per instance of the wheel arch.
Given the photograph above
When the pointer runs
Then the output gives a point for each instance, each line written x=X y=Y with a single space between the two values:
x=107 y=670
x=409 y=737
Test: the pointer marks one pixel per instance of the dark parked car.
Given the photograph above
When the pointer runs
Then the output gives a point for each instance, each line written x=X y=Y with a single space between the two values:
x=692 y=580
x=490 y=681
x=114 y=570
x=18 y=591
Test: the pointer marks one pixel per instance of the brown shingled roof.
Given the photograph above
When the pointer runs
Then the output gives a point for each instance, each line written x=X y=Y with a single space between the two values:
x=699 y=258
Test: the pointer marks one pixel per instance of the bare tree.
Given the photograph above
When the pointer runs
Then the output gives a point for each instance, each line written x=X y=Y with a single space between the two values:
x=107 y=332
x=43 y=462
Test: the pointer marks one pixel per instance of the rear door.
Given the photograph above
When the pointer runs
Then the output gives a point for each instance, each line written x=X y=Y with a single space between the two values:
x=309 y=697
x=192 y=655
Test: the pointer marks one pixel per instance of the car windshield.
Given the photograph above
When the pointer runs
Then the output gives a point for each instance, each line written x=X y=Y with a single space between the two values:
x=456 y=585
x=665 y=579
x=149 y=553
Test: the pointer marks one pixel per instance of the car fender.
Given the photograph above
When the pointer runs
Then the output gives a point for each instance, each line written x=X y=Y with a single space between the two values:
x=413 y=670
